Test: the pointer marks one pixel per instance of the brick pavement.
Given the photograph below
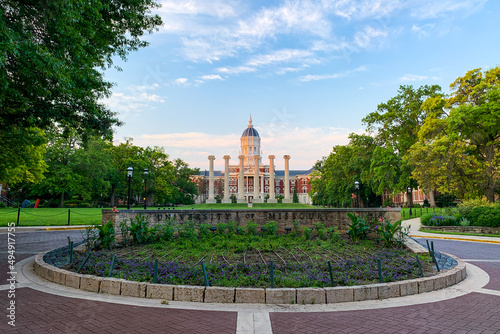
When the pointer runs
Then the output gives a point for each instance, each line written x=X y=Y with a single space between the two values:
x=472 y=313
x=38 y=312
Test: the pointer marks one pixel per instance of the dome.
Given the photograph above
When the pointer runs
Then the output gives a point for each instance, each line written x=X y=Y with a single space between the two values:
x=250 y=131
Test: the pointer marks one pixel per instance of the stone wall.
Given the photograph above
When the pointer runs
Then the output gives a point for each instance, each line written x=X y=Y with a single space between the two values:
x=464 y=229
x=284 y=217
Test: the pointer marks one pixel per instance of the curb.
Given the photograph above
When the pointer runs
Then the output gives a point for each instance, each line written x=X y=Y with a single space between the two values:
x=328 y=295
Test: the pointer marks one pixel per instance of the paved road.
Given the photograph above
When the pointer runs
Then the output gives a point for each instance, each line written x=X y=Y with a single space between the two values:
x=41 y=312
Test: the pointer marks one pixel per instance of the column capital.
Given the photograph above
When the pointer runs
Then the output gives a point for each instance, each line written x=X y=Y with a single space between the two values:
x=256 y=157
x=241 y=157
x=227 y=157
x=286 y=157
x=271 y=157
x=211 y=157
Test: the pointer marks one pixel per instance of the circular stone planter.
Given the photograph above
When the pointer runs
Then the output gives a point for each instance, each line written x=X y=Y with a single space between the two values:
x=215 y=294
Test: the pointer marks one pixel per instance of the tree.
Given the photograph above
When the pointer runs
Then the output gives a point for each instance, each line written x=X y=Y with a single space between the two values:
x=396 y=124
x=51 y=59
x=462 y=135
x=295 y=197
x=334 y=176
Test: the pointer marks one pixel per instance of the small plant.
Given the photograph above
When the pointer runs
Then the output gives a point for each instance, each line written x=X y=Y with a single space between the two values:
x=296 y=228
x=334 y=234
x=124 y=231
x=139 y=230
x=203 y=231
x=464 y=222
x=90 y=236
x=187 y=230
x=306 y=233
x=358 y=228
x=270 y=228
x=320 y=231
x=165 y=231
x=252 y=228
x=106 y=235
x=389 y=233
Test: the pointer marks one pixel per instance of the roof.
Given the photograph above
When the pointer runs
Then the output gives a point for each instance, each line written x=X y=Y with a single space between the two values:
x=218 y=173
x=250 y=132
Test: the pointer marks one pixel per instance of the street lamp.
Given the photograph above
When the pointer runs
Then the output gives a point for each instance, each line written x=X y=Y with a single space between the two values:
x=145 y=180
x=356 y=186
x=409 y=192
x=130 y=171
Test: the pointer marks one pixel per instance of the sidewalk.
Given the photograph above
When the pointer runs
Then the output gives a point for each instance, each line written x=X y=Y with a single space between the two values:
x=414 y=225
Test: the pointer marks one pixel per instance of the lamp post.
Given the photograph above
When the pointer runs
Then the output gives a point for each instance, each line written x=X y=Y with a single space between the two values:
x=409 y=192
x=130 y=171
x=145 y=179
x=356 y=186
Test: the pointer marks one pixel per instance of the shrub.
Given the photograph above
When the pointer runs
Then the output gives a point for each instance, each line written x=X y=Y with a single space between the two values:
x=320 y=231
x=442 y=220
x=334 y=234
x=270 y=228
x=358 y=228
x=306 y=233
x=390 y=234
x=187 y=230
x=464 y=222
x=203 y=230
x=424 y=219
x=480 y=212
x=165 y=231
x=106 y=235
x=139 y=230
x=251 y=228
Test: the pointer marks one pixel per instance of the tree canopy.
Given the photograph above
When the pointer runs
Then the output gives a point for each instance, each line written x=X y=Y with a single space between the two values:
x=52 y=57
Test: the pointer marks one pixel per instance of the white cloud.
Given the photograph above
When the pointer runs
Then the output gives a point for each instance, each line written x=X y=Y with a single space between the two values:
x=280 y=56
x=424 y=9
x=316 y=77
x=368 y=37
x=211 y=77
x=422 y=30
x=236 y=69
x=216 y=8
x=412 y=77
x=181 y=81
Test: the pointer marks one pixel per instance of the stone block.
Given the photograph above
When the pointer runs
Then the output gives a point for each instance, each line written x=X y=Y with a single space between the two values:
x=440 y=282
x=281 y=296
x=73 y=280
x=425 y=285
x=186 y=293
x=111 y=286
x=339 y=295
x=90 y=283
x=311 y=296
x=451 y=278
x=408 y=288
x=160 y=291
x=59 y=276
x=133 y=289
x=250 y=295
x=365 y=292
x=49 y=272
x=389 y=290
x=214 y=294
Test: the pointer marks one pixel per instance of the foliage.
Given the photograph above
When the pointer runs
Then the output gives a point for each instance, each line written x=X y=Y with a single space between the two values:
x=270 y=228
x=391 y=234
x=295 y=197
x=90 y=237
x=106 y=235
x=139 y=229
x=463 y=222
x=358 y=228
x=488 y=215
x=459 y=148
x=251 y=228
x=438 y=220
x=60 y=48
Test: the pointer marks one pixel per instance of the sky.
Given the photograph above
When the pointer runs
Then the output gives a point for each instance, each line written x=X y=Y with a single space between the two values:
x=308 y=71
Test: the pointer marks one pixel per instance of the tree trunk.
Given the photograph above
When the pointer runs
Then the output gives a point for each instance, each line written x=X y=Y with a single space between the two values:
x=432 y=202
x=490 y=194
x=61 y=200
x=113 y=190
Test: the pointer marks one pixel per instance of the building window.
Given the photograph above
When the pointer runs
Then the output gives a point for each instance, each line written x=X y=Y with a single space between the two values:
x=293 y=181
x=277 y=190
x=304 y=190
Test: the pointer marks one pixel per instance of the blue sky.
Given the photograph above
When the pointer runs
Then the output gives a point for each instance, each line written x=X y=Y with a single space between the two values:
x=308 y=71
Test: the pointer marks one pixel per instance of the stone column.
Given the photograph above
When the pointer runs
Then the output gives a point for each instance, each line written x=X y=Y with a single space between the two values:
x=226 y=180
x=272 y=196
x=256 y=198
x=287 y=198
x=211 y=197
x=241 y=180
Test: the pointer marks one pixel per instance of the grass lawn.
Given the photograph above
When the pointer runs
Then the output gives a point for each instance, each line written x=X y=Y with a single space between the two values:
x=418 y=212
x=241 y=206
x=51 y=216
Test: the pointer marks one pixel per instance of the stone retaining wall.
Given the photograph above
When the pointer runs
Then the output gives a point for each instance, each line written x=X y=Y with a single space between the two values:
x=250 y=295
x=284 y=217
x=464 y=229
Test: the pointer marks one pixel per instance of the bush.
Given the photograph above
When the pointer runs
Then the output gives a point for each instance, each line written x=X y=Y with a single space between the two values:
x=358 y=228
x=424 y=219
x=165 y=231
x=106 y=235
x=252 y=228
x=443 y=221
x=270 y=228
x=480 y=212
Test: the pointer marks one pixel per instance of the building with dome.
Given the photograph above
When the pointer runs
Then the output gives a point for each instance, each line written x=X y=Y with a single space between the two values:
x=254 y=179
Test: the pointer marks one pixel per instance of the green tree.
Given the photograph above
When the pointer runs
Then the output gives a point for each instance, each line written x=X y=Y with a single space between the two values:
x=334 y=176
x=462 y=134
x=52 y=54
x=295 y=197
x=396 y=124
